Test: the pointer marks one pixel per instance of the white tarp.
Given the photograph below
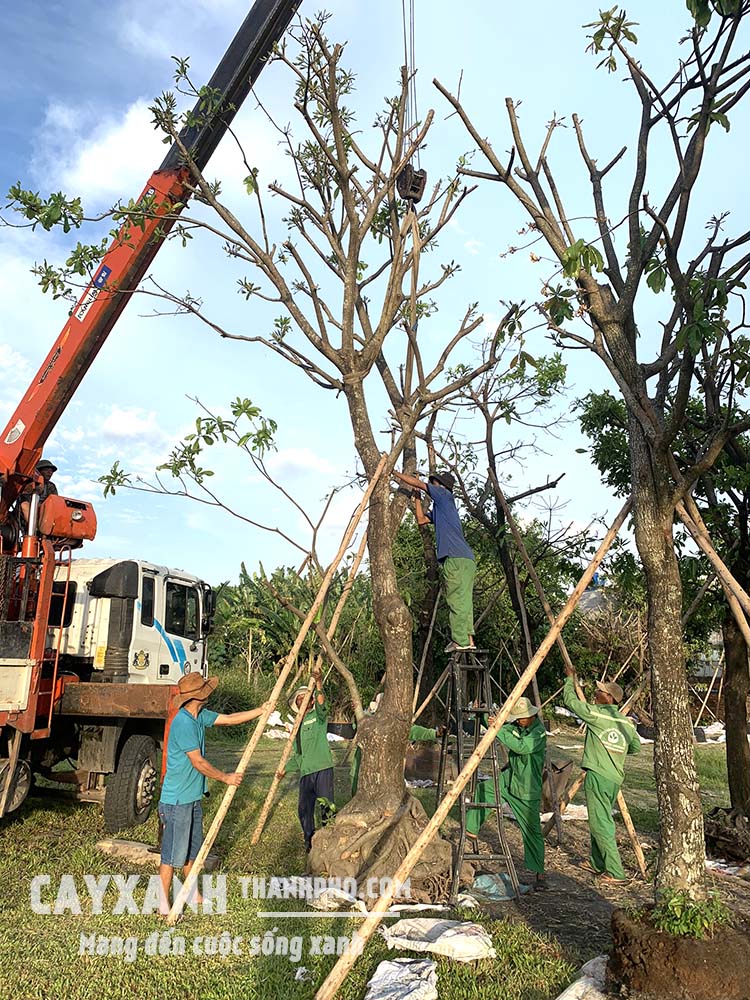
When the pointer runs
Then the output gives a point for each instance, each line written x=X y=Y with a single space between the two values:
x=404 y=979
x=574 y=811
x=590 y=984
x=457 y=939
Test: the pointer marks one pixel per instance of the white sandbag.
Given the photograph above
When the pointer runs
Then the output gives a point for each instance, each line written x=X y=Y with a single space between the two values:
x=457 y=939
x=590 y=984
x=274 y=720
x=404 y=979
x=276 y=734
x=334 y=738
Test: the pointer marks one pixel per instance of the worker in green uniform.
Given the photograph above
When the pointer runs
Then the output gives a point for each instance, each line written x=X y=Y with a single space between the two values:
x=525 y=739
x=312 y=758
x=417 y=734
x=610 y=737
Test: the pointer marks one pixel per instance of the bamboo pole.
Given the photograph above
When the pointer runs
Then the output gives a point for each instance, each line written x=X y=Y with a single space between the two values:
x=693 y=521
x=285 y=755
x=423 y=657
x=629 y=826
x=526 y=631
x=338 y=973
x=270 y=705
x=250 y=657
x=708 y=693
x=435 y=688
x=531 y=569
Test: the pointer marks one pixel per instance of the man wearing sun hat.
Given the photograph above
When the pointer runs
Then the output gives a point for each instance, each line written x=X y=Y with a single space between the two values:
x=525 y=739
x=610 y=737
x=185 y=782
x=312 y=759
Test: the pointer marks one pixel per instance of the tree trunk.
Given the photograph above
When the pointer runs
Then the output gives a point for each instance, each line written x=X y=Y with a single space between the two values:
x=373 y=832
x=736 y=691
x=682 y=852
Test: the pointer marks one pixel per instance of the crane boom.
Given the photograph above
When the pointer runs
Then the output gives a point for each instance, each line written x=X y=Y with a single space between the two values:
x=132 y=251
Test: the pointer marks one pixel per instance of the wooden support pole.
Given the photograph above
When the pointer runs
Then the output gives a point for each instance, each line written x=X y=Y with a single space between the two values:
x=691 y=518
x=285 y=755
x=339 y=972
x=270 y=705
x=531 y=569
x=634 y=841
x=423 y=657
x=708 y=693
x=435 y=688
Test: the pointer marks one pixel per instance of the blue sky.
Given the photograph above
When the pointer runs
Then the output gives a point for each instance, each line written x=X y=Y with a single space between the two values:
x=77 y=80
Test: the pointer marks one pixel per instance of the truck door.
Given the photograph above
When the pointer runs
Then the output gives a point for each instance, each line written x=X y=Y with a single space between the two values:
x=182 y=643
x=145 y=663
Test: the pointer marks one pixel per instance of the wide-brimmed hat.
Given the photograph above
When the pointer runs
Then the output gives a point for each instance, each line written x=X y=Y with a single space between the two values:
x=292 y=701
x=195 y=687
x=45 y=464
x=611 y=688
x=523 y=709
x=445 y=479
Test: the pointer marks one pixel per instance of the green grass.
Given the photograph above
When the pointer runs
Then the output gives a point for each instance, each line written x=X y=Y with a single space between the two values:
x=39 y=954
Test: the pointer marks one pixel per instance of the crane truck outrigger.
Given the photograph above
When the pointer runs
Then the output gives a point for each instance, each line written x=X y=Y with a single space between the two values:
x=90 y=650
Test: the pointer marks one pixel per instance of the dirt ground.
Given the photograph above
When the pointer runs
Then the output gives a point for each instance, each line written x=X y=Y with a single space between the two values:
x=573 y=908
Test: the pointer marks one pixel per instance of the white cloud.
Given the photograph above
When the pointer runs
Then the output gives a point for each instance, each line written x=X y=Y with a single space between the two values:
x=473 y=247
x=99 y=159
x=291 y=463
x=131 y=424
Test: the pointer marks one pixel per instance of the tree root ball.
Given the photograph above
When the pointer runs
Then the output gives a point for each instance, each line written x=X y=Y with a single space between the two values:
x=655 y=964
x=370 y=846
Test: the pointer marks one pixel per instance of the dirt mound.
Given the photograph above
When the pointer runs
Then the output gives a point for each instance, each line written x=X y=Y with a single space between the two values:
x=659 y=965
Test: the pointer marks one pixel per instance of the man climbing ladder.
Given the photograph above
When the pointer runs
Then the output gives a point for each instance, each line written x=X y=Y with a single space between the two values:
x=453 y=553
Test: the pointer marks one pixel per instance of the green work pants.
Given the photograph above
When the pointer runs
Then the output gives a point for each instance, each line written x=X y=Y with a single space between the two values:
x=601 y=795
x=526 y=813
x=458 y=575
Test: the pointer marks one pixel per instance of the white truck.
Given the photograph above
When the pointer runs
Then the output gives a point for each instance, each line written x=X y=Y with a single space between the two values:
x=123 y=632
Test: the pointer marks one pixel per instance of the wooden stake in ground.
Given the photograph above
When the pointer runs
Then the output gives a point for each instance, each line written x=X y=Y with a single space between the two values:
x=286 y=754
x=270 y=705
x=287 y=751
x=339 y=972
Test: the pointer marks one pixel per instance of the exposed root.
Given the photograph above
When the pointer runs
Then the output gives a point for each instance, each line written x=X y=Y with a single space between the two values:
x=345 y=850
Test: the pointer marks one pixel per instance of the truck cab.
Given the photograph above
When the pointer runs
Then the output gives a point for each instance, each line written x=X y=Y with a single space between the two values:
x=129 y=621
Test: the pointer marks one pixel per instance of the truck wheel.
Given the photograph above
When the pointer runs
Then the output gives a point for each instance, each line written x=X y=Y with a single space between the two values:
x=130 y=790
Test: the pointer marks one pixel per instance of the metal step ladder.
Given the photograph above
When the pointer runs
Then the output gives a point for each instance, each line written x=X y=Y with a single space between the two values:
x=468 y=701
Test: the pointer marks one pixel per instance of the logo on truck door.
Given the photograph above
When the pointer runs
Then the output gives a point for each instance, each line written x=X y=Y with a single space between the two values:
x=141 y=659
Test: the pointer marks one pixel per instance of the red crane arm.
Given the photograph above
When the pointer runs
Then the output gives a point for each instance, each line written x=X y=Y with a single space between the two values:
x=128 y=258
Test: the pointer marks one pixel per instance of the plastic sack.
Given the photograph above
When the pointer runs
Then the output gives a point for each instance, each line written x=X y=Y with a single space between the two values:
x=404 y=979
x=457 y=939
x=590 y=984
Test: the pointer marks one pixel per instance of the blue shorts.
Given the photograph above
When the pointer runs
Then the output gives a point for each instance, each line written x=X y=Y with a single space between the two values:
x=182 y=836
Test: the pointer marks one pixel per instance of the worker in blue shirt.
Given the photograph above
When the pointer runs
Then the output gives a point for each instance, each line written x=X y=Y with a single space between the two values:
x=185 y=782
x=453 y=553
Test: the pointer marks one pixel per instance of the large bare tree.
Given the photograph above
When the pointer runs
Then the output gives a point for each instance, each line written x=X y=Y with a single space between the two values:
x=355 y=309
x=606 y=259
